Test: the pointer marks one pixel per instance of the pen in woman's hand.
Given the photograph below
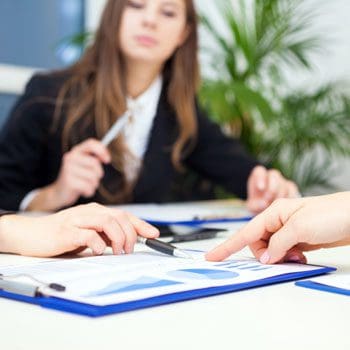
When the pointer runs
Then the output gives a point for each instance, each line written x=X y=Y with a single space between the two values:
x=116 y=128
x=163 y=247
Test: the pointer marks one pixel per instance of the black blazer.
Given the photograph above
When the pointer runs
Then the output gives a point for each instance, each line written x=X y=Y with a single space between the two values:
x=31 y=152
x=4 y=212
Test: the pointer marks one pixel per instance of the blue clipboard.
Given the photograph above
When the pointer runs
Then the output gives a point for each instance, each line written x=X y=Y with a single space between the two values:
x=96 y=311
x=197 y=222
x=322 y=287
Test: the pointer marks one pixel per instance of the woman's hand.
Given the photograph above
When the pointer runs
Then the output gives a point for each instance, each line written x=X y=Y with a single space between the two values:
x=264 y=186
x=291 y=226
x=87 y=226
x=80 y=175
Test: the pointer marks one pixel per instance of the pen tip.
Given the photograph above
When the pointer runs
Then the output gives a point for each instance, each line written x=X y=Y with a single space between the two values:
x=141 y=239
x=181 y=254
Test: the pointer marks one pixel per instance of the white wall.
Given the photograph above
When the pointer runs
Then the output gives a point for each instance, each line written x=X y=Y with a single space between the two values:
x=332 y=22
x=13 y=78
x=334 y=64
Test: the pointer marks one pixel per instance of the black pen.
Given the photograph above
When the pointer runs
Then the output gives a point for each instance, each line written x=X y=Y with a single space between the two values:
x=163 y=247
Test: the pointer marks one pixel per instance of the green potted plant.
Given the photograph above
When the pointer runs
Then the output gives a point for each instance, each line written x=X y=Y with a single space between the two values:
x=296 y=131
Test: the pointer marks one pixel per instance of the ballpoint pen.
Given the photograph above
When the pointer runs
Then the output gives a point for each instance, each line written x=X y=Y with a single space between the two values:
x=163 y=247
x=116 y=128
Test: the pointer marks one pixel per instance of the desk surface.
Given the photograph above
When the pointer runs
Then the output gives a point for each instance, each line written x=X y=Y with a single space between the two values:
x=281 y=316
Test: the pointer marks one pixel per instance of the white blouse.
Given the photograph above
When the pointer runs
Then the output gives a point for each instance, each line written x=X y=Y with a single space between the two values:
x=137 y=131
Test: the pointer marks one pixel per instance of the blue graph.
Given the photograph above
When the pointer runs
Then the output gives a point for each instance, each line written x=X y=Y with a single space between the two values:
x=130 y=286
x=203 y=274
x=243 y=265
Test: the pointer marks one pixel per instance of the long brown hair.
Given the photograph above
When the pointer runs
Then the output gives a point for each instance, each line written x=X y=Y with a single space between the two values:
x=95 y=92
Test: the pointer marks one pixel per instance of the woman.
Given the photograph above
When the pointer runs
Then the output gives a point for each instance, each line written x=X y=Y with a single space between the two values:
x=72 y=230
x=143 y=59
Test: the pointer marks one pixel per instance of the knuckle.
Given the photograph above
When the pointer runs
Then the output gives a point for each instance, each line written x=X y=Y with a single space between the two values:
x=279 y=202
x=120 y=214
x=89 y=236
x=296 y=227
x=255 y=172
x=89 y=141
x=92 y=143
x=94 y=205
x=273 y=242
x=107 y=218
x=67 y=156
x=293 y=186
x=276 y=172
x=91 y=192
x=87 y=192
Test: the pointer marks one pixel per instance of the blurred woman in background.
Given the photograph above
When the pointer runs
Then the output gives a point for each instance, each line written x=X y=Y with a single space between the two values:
x=143 y=59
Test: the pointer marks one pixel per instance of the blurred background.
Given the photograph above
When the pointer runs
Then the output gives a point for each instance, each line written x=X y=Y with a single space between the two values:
x=276 y=74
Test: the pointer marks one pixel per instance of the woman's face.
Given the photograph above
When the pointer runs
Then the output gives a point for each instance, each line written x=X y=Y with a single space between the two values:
x=151 y=30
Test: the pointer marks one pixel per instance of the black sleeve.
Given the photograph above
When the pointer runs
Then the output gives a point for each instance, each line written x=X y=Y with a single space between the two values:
x=220 y=158
x=4 y=212
x=23 y=143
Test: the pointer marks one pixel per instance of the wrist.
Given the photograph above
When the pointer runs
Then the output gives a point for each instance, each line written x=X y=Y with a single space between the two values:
x=6 y=238
x=47 y=199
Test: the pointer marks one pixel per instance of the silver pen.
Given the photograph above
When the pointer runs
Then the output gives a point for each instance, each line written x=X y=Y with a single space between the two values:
x=163 y=247
x=116 y=128
x=10 y=285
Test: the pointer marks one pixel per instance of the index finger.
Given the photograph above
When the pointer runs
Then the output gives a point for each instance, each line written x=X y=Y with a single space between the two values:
x=258 y=231
x=249 y=234
x=142 y=227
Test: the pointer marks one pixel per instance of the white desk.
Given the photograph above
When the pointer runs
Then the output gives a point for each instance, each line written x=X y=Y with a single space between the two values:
x=281 y=316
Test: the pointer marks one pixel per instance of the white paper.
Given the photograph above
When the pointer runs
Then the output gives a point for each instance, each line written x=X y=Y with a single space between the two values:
x=187 y=211
x=110 y=279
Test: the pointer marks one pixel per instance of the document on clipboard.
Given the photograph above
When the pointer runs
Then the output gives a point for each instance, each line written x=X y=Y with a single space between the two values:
x=101 y=285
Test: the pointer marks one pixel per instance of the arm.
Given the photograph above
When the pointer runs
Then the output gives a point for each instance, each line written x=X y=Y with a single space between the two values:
x=24 y=144
x=72 y=230
x=220 y=158
x=223 y=160
x=31 y=154
x=291 y=226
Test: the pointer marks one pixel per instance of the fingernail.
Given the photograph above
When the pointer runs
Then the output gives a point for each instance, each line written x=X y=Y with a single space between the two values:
x=129 y=250
x=264 y=259
x=98 y=251
x=294 y=258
